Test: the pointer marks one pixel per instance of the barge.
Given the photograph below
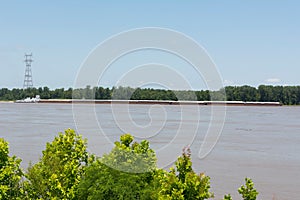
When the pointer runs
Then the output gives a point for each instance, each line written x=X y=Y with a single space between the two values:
x=159 y=102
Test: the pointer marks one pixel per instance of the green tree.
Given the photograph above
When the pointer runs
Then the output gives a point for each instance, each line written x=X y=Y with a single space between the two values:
x=186 y=95
x=68 y=93
x=59 y=171
x=102 y=93
x=10 y=174
x=125 y=173
x=219 y=95
x=88 y=92
x=122 y=93
x=183 y=182
x=227 y=197
x=107 y=93
x=248 y=191
x=58 y=93
x=203 y=95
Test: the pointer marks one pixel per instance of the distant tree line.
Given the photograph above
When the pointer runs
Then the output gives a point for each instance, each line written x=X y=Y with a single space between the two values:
x=287 y=95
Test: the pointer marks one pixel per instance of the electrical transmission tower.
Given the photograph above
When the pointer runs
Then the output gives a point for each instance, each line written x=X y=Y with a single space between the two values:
x=28 y=74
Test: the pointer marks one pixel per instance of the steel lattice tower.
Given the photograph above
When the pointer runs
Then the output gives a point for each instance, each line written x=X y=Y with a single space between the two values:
x=28 y=74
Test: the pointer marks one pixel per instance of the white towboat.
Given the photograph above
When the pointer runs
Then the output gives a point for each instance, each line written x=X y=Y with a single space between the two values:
x=29 y=100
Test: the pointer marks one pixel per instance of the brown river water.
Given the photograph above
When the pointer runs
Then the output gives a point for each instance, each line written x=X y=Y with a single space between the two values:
x=262 y=143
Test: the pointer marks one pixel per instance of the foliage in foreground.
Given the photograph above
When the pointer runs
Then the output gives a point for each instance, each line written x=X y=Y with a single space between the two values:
x=59 y=171
x=182 y=182
x=125 y=173
x=227 y=197
x=129 y=171
x=10 y=173
x=248 y=191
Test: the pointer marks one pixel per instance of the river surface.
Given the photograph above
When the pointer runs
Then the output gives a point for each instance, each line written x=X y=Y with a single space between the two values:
x=262 y=143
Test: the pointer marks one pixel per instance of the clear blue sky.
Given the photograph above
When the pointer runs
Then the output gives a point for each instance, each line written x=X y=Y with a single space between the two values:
x=252 y=42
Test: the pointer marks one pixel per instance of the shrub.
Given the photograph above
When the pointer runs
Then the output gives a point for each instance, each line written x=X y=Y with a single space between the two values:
x=183 y=182
x=125 y=173
x=59 y=171
x=10 y=174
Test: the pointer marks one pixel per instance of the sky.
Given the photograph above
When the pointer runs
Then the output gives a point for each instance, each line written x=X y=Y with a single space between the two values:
x=251 y=42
